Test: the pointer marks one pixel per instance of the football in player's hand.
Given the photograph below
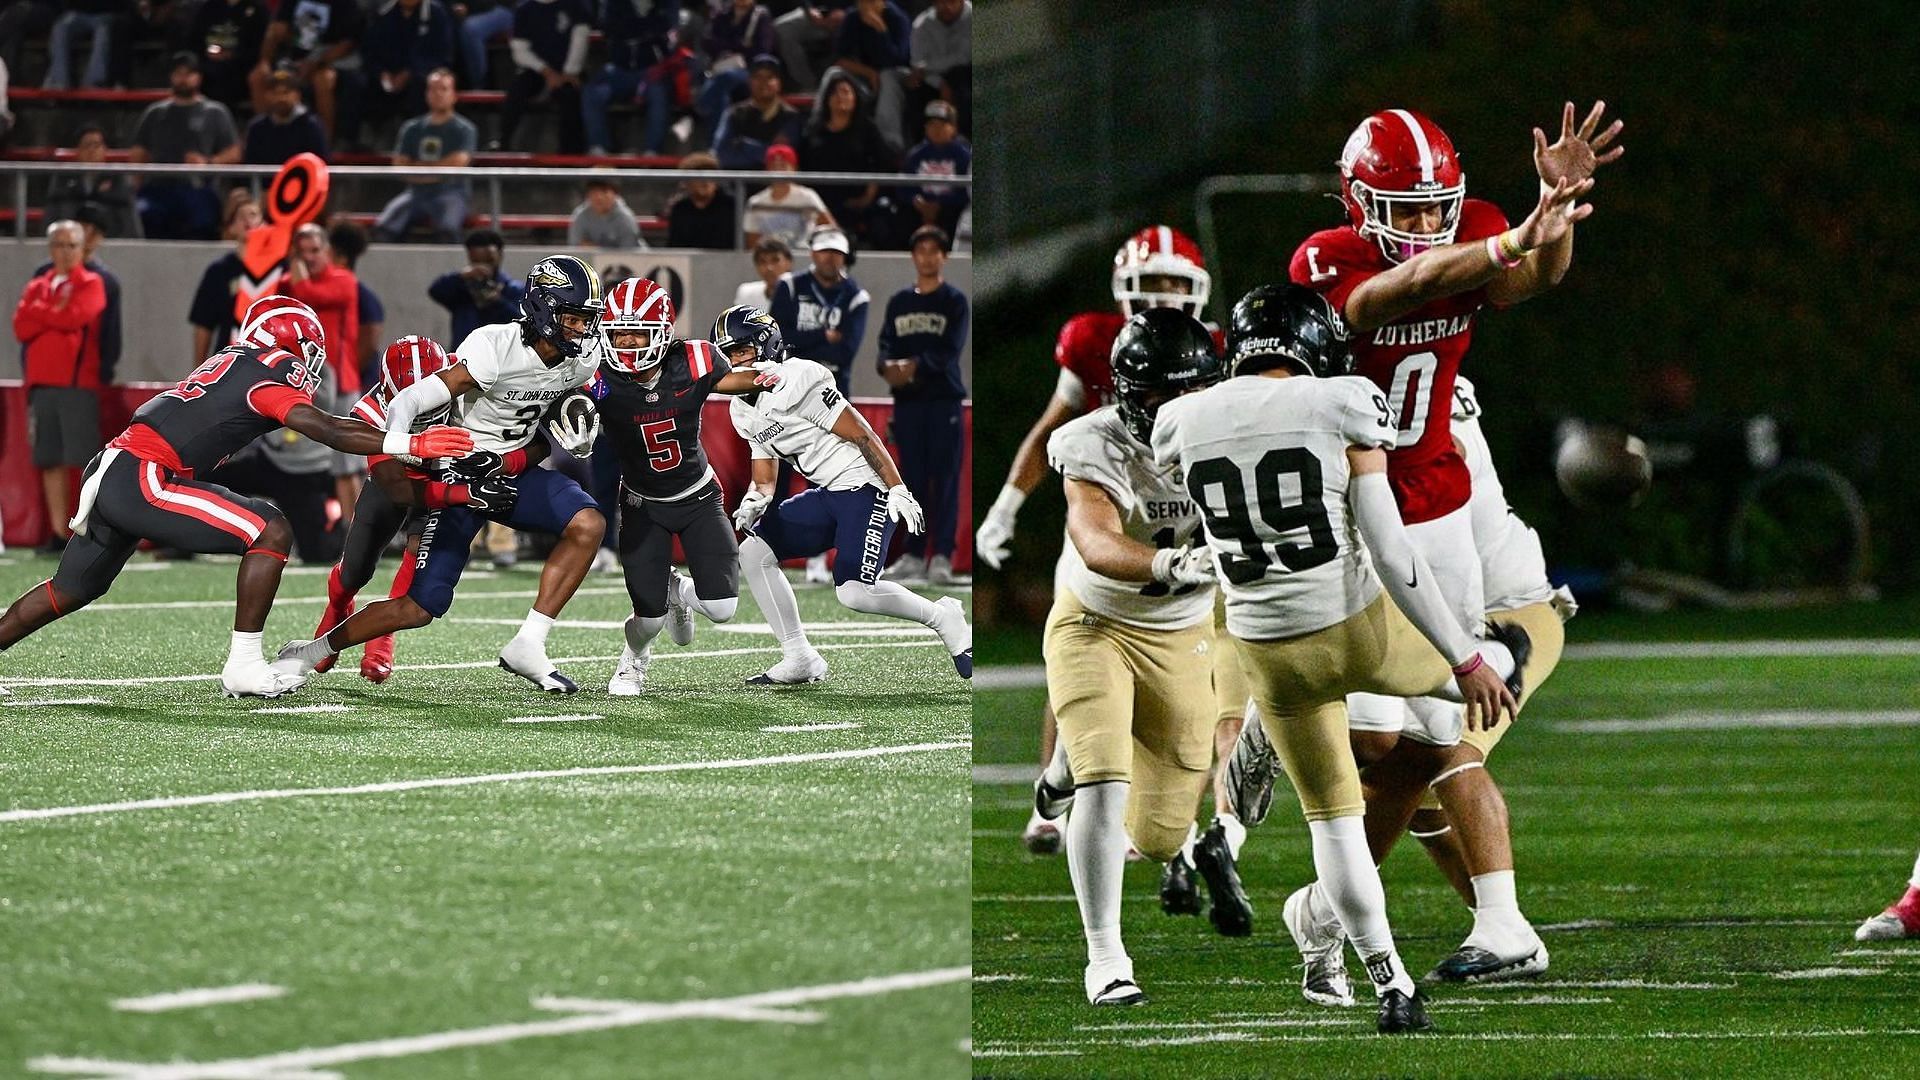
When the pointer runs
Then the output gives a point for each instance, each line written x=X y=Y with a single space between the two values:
x=1601 y=468
x=575 y=410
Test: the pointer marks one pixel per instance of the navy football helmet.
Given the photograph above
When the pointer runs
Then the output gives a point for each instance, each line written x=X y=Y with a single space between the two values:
x=1160 y=354
x=562 y=285
x=744 y=325
x=1287 y=326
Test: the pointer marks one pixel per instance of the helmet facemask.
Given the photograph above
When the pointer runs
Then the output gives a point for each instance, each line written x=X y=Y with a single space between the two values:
x=640 y=361
x=1397 y=244
x=1131 y=293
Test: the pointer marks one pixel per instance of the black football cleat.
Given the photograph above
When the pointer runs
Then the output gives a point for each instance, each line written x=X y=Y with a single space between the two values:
x=1403 y=1014
x=1473 y=964
x=1230 y=911
x=1520 y=644
x=1179 y=892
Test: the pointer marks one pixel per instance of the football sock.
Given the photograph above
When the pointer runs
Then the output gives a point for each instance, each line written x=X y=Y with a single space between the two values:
x=337 y=595
x=314 y=651
x=1186 y=846
x=1914 y=881
x=1097 y=861
x=641 y=631
x=535 y=628
x=1320 y=913
x=886 y=598
x=1498 y=925
x=1494 y=889
x=1351 y=881
x=1236 y=833
x=246 y=646
x=402 y=576
x=774 y=593
x=1059 y=771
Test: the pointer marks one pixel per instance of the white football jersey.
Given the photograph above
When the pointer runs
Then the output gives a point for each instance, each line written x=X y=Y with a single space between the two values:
x=1266 y=459
x=513 y=386
x=1154 y=509
x=794 y=422
x=1511 y=562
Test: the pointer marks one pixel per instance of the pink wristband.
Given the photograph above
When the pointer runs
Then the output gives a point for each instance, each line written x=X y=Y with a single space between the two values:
x=1500 y=260
x=1469 y=666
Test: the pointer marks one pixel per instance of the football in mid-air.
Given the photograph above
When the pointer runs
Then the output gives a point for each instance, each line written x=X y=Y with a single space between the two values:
x=1601 y=468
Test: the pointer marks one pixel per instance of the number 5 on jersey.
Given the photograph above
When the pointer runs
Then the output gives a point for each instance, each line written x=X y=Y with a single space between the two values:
x=663 y=450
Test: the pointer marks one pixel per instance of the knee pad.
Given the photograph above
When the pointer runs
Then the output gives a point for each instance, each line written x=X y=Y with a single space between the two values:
x=754 y=549
x=854 y=594
x=719 y=610
x=641 y=630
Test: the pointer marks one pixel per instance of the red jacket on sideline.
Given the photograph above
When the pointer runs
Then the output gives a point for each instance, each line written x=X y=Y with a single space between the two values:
x=334 y=295
x=60 y=326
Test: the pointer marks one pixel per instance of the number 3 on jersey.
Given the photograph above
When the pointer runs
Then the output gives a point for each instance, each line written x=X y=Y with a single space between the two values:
x=1412 y=394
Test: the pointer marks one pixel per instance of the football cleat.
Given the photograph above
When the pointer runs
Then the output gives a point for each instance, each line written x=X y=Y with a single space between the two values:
x=793 y=671
x=1520 y=644
x=1401 y=1013
x=1473 y=964
x=1889 y=925
x=1042 y=837
x=679 y=615
x=950 y=622
x=376 y=660
x=907 y=568
x=1112 y=984
x=254 y=678
x=630 y=677
x=1251 y=772
x=1324 y=956
x=817 y=572
x=529 y=661
x=1230 y=911
x=1179 y=892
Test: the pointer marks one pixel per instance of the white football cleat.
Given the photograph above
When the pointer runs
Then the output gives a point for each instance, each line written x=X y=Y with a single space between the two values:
x=1323 y=954
x=951 y=625
x=291 y=661
x=907 y=568
x=528 y=660
x=254 y=678
x=940 y=570
x=1112 y=983
x=793 y=671
x=817 y=572
x=1886 y=926
x=631 y=676
x=679 y=615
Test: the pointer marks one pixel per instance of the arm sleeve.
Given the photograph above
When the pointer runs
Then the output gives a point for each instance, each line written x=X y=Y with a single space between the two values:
x=1408 y=579
x=274 y=400
x=854 y=326
x=577 y=48
x=422 y=397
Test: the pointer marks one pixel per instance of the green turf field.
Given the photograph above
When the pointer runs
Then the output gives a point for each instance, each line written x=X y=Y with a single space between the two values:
x=1698 y=829
x=707 y=880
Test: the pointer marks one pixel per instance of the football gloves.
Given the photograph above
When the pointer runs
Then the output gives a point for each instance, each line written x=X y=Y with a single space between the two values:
x=905 y=509
x=475 y=466
x=574 y=432
x=1185 y=565
x=996 y=532
x=492 y=495
x=441 y=442
x=753 y=504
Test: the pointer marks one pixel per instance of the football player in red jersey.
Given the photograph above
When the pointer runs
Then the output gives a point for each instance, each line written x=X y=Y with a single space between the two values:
x=1410 y=271
x=1901 y=919
x=142 y=485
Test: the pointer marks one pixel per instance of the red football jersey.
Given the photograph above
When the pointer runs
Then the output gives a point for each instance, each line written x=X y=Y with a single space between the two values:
x=1085 y=347
x=1414 y=359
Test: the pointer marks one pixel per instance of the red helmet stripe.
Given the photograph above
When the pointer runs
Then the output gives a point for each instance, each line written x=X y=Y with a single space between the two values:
x=1419 y=142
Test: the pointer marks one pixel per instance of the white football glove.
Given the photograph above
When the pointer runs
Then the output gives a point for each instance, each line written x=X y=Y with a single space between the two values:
x=1183 y=566
x=905 y=509
x=996 y=532
x=753 y=504
x=576 y=437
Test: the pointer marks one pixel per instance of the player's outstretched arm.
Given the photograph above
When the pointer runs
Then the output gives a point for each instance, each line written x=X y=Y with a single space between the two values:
x=423 y=396
x=1023 y=476
x=358 y=437
x=1575 y=156
x=1094 y=527
x=746 y=381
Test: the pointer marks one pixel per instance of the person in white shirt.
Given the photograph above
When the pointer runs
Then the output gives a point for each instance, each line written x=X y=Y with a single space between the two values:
x=772 y=260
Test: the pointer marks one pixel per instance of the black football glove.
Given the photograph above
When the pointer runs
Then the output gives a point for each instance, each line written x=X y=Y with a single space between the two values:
x=492 y=495
x=475 y=466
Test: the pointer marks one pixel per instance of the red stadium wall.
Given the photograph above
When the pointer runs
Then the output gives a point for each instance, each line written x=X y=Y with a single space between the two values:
x=26 y=519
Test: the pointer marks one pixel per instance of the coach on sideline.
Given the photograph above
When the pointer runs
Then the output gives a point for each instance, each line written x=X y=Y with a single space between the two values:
x=57 y=323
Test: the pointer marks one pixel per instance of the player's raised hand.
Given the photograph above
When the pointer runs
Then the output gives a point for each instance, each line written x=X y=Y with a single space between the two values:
x=441 y=441
x=752 y=505
x=1554 y=215
x=905 y=509
x=1578 y=152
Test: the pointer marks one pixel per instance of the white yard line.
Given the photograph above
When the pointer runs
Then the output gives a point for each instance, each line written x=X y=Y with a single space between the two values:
x=782 y=729
x=605 y=1016
x=63 y=701
x=222 y=797
x=1771 y=719
x=552 y=719
x=478 y=664
x=297 y=710
x=1072 y=1047
x=891 y=628
x=194 y=999
x=1021 y=775
x=1828 y=973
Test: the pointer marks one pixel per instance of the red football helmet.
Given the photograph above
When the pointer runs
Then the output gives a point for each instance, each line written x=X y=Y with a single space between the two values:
x=1159 y=251
x=1399 y=158
x=291 y=325
x=410 y=359
x=640 y=304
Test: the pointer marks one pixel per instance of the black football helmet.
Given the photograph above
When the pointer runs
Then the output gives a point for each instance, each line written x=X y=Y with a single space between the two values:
x=1160 y=354
x=1287 y=326
x=562 y=285
x=745 y=324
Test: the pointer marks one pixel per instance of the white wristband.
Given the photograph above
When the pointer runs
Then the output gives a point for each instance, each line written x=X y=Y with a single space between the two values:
x=1008 y=503
x=396 y=443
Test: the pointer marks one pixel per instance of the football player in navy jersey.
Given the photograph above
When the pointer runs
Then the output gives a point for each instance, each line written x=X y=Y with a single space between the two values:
x=651 y=388
x=142 y=486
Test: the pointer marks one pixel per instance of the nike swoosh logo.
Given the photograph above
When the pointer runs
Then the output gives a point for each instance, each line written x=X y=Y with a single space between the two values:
x=1415 y=583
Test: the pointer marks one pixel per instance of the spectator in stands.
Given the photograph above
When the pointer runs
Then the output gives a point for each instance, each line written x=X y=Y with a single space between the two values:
x=226 y=35
x=406 y=42
x=188 y=128
x=93 y=19
x=22 y=21
x=841 y=137
x=784 y=209
x=807 y=34
x=764 y=119
x=921 y=337
x=481 y=23
x=550 y=51
x=286 y=128
x=642 y=65
x=604 y=220
x=320 y=37
x=701 y=216
x=737 y=31
x=874 y=44
x=481 y=294
x=822 y=312
x=943 y=153
x=347 y=242
x=105 y=197
x=439 y=139
x=772 y=260
x=333 y=292
x=212 y=315
x=57 y=321
x=110 y=337
x=942 y=50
